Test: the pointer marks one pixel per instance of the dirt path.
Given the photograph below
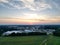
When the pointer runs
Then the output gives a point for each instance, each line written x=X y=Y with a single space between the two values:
x=44 y=42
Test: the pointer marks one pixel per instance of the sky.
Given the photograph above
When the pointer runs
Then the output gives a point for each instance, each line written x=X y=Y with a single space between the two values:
x=29 y=12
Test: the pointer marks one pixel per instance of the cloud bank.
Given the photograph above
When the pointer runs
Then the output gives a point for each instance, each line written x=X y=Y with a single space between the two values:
x=34 y=5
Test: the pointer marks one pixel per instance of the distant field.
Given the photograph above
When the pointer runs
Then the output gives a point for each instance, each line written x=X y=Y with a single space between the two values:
x=28 y=40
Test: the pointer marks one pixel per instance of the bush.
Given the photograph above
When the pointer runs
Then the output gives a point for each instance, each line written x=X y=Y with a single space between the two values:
x=56 y=33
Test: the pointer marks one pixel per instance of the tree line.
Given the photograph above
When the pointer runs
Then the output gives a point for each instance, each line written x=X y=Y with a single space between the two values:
x=26 y=34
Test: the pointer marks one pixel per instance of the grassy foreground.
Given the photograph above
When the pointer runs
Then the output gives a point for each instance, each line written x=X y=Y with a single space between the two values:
x=29 y=40
x=23 y=40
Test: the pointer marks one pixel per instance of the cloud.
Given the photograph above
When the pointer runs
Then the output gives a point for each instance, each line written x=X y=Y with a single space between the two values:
x=34 y=5
x=56 y=5
x=4 y=1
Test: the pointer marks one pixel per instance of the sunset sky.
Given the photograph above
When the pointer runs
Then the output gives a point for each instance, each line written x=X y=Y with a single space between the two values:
x=29 y=12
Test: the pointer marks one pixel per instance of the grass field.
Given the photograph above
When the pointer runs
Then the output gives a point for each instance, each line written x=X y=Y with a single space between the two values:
x=54 y=41
x=29 y=40
x=23 y=40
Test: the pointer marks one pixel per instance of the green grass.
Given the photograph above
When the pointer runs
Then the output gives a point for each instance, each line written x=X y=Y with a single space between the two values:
x=54 y=41
x=23 y=40
x=29 y=40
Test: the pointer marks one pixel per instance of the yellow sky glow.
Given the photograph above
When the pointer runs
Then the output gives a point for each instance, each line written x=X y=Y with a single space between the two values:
x=29 y=19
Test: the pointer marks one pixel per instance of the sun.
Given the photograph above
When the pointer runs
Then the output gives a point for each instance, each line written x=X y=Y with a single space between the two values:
x=31 y=16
